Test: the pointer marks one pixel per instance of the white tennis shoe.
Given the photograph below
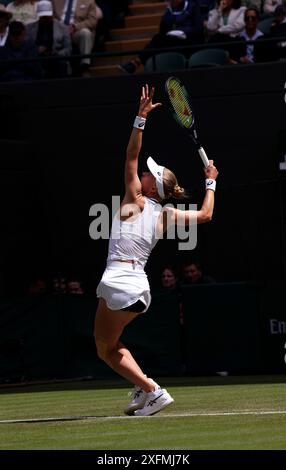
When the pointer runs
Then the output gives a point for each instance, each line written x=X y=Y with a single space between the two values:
x=155 y=402
x=138 y=398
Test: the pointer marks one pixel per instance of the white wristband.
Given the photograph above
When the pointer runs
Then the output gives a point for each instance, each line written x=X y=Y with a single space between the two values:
x=210 y=184
x=139 y=123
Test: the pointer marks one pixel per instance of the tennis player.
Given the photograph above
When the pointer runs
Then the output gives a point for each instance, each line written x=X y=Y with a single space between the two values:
x=124 y=291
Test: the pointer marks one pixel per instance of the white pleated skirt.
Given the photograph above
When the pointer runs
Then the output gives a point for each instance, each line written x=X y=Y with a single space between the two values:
x=123 y=284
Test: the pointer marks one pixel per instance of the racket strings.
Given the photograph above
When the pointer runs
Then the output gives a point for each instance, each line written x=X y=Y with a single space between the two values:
x=180 y=103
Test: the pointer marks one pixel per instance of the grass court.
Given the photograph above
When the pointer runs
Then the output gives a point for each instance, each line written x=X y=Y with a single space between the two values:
x=209 y=413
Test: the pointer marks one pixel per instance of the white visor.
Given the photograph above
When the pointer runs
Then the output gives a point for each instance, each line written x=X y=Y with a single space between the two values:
x=157 y=172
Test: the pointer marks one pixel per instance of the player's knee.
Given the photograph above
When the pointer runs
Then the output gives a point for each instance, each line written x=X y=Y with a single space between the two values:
x=103 y=350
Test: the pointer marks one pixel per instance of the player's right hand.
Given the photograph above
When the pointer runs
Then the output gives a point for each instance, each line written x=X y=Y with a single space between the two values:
x=211 y=171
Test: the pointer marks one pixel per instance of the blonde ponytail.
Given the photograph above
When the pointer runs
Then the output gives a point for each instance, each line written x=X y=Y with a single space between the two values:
x=178 y=192
x=171 y=187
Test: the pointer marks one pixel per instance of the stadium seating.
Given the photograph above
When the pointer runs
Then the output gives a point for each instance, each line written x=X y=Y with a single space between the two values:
x=165 y=62
x=265 y=25
x=208 y=58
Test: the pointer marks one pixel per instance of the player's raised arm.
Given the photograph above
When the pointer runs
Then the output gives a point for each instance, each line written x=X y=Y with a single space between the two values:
x=132 y=181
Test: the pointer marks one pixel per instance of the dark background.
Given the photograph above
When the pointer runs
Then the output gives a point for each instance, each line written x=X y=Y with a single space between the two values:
x=63 y=149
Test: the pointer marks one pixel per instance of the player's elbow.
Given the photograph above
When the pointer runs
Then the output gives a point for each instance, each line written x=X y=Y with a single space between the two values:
x=204 y=217
x=207 y=218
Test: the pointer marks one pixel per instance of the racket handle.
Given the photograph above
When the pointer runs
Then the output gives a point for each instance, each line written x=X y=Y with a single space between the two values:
x=204 y=157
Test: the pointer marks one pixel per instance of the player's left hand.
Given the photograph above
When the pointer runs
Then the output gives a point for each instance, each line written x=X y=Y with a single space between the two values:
x=146 y=103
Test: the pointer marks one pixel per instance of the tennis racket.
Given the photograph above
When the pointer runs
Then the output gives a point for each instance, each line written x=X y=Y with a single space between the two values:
x=181 y=107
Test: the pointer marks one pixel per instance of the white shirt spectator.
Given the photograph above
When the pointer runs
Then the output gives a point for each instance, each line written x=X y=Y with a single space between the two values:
x=270 y=5
x=24 y=11
x=232 y=24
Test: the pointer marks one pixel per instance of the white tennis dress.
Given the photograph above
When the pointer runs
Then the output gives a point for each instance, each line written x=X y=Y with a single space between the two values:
x=123 y=284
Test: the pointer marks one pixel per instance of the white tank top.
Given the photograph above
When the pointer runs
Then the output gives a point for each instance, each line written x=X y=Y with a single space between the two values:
x=135 y=240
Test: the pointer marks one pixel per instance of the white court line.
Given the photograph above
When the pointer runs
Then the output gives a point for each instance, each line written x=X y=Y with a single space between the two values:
x=174 y=415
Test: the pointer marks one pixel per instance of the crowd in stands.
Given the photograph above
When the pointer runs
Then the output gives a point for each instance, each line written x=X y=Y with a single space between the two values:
x=171 y=278
x=57 y=285
x=51 y=31
x=189 y=273
x=181 y=24
x=54 y=30
x=194 y=22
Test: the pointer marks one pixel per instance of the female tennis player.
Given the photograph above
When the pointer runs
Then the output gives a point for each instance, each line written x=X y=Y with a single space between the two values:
x=124 y=291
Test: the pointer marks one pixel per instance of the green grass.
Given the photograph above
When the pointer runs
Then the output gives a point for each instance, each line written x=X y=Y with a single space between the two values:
x=183 y=425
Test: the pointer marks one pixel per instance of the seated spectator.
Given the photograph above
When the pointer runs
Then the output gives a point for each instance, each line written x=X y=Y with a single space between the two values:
x=277 y=50
x=270 y=6
x=226 y=19
x=81 y=17
x=74 y=287
x=169 y=279
x=5 y=17
x=23 y=10
x=250 y=33
x=193 y=274
x=18 y=47
x=225 y=23
x=59 y=285
x=181 y=25
x=52 y=39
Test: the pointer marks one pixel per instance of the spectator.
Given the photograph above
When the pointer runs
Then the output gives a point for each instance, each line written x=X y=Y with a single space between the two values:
x=227 y=19
x=181 y=25
x=278 y=29
x=5 y=17
x=74 y=287
x=169 y=279
x=193 y=274
x=270 y=6
x=81 y=16
x=18 y=47
x=23 y=10
x=59 y=285
x=250 y=33
x=52 y=39
x=225 y=23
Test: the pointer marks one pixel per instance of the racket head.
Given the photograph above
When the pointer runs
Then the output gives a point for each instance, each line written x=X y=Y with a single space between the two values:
x=180 y=101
